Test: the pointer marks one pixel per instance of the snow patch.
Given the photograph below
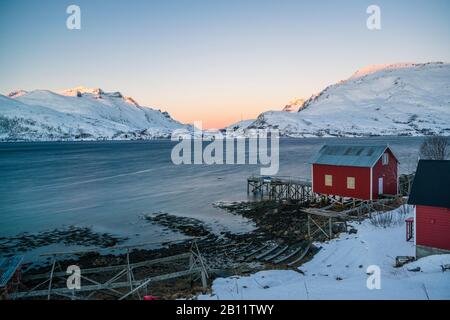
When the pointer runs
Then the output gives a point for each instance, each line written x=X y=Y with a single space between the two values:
x=338 y=271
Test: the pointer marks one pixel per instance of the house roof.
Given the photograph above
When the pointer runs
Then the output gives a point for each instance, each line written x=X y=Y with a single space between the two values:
x=431 y=185
x=349 y=155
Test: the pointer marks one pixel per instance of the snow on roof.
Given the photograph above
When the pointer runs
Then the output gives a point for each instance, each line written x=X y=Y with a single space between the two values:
x=431 y=184
x=349 y=155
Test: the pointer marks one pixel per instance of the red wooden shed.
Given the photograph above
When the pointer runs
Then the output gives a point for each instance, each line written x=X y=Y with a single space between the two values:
x=355 y=171
x=430 y=194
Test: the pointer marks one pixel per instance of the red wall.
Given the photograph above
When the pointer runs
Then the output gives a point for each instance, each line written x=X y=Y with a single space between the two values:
x=433 y=227
x=340 y=174
x=389 y=174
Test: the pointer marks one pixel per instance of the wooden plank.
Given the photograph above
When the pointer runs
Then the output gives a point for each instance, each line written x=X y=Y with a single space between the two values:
x=262 y=255
x=51 y=278
x=301 y=256
x=324 y=213
x=276 y=254
x=287 y=257
x=256 y=251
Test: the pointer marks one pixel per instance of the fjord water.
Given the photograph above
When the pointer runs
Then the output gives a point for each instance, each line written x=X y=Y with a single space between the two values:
x=109 y=186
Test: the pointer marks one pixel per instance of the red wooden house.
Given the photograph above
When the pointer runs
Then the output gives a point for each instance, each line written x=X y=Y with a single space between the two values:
x=355 y=171
x=430 y=194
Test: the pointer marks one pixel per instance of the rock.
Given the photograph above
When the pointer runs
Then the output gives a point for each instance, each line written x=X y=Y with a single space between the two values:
x=402 y=260
x=417 y=269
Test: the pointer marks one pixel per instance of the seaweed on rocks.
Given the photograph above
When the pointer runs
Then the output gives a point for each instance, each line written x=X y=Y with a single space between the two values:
x=71 y=235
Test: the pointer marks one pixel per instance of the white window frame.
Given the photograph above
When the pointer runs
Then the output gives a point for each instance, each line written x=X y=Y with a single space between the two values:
x=352 y=185
x=385 y=159
x=328 y=180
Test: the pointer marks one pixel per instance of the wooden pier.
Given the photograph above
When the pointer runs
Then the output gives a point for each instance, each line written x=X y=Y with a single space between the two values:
x=282 y=188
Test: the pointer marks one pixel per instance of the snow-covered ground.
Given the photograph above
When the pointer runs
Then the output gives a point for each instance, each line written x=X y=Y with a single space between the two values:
x=80 y=114
x=400 y=99
x=338 y=271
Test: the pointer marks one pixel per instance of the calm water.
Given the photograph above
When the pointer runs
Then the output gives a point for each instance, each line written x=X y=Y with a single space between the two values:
x=110 y=185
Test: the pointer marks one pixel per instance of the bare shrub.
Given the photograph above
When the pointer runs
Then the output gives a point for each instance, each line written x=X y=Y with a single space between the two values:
x=403 y=209
x=387 y=219
x=435 y=148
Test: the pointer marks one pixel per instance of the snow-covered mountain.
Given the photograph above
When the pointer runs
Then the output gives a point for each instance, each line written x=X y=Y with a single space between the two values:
x=80 y=113
x=400 y=99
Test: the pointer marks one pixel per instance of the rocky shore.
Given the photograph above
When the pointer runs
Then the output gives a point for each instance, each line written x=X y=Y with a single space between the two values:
x=224 y=253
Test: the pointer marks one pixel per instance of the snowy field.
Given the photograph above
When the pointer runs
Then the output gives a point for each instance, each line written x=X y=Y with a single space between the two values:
x=338 y=271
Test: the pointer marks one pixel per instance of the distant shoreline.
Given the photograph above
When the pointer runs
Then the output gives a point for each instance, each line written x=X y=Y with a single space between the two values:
x=168 y=139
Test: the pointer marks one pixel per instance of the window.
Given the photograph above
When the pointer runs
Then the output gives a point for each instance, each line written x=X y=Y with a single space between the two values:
x=328 y=180
x=385 y=159
x=350 y=183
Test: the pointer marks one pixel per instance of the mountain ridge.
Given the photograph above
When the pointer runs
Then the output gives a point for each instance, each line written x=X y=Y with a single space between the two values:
x=80 y=113
x=410 y=99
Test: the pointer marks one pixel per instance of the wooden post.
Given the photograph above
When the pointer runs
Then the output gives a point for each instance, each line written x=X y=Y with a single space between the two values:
x=309 y=227
x=204 y=282
x=330 y=227
x=130 y=280
x=51 y=277
x=191 y=266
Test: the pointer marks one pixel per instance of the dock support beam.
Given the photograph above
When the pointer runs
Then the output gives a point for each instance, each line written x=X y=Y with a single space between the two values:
x=281 y=188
